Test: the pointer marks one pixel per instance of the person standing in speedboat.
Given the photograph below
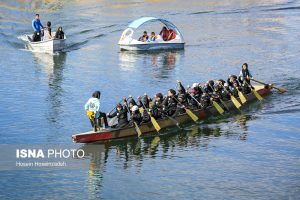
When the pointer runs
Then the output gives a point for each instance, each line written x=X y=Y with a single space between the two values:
x=37 y=25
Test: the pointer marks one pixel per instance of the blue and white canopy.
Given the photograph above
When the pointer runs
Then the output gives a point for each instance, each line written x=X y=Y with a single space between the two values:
x=127 y=41
x=139 y=22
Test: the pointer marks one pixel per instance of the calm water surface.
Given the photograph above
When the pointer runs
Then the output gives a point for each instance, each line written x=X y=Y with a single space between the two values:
x=254 y=154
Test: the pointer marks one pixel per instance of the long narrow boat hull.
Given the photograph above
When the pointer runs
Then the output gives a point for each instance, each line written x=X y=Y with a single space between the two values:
x=111 y=134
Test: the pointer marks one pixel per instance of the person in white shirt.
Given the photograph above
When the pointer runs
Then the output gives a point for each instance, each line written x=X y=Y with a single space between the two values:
x=92 y=108
x=47 y=32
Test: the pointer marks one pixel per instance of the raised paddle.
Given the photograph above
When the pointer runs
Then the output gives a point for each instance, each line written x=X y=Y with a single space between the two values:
x=254 y=92
x=233 y=99
x=114 y=119
x=188 y=111
x=280 y=89
x=139 y=132
x=153 y=121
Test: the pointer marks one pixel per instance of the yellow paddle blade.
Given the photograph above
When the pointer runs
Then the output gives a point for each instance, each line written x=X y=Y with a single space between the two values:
x=151 y=104
x=141 y=109
x=242 y=97
x=191 y=114
x=257 y=95
x=155 y=124
x=139 y=132
x=90 y=114
x=218 y=107
x=235 y=102
x=280 y=89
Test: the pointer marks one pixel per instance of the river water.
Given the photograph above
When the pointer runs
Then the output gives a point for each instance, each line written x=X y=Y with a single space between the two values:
x=254 y=154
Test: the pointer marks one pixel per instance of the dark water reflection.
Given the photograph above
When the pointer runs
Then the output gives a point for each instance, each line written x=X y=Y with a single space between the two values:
x=192 y=137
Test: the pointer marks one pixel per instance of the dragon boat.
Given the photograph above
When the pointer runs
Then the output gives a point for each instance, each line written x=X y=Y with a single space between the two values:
x=115 y=133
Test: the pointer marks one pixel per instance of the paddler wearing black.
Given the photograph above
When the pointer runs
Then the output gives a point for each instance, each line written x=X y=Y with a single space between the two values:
x=219 y=88
x=195 y=96
x=169 y=103
x=210 y=88
x=131 y=103
x=233 y=85
x=157 y=108
x=121 y=113
x=182 y=96
x=144 y=103
x=207 y=87
x=136 y=116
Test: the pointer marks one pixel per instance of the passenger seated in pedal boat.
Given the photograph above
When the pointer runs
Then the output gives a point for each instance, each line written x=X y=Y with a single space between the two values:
x=170 y=103
x=121 y=114
x=164 y=33
x=172 y=35
x=92 y=108
x=144 y=37
x=37 y=28
x=153 y=37
x=59 y=33
x=47 y=32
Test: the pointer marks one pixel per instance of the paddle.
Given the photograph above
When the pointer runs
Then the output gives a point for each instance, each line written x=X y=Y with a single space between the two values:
x=241 y=95
x=280 y=89
x=154 y=122
x=233 y=99
x=137 y=129
x=216 y=105
x=188 y=111
x=113 y=121
x=173 y=120
x=151 y=104
x=254 y=92
x=192 y=96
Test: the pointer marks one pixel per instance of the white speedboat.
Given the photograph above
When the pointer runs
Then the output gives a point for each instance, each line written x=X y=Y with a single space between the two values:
x=128 y=41
x=48 y=45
